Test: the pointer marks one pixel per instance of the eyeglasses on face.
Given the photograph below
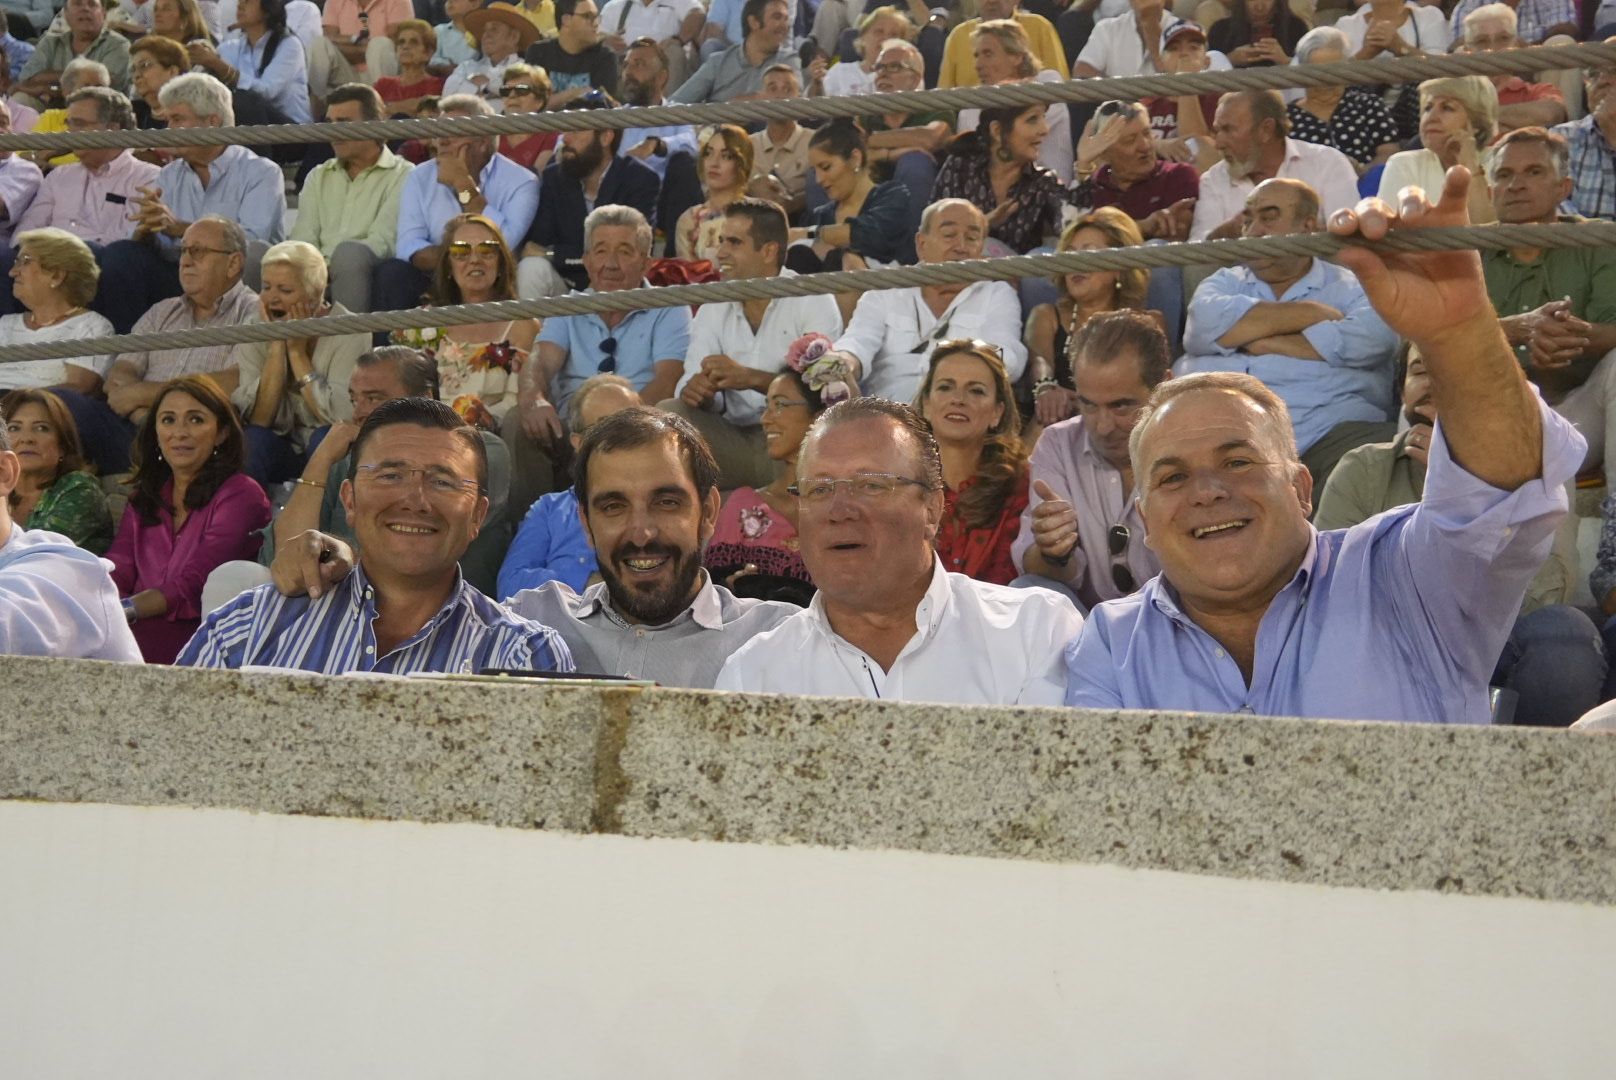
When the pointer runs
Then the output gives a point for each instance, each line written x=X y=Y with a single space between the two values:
x=1116 y=539
x=196 y=251
x=395 y=477
x=461 y=250
x=892 y=67
x=870 y=487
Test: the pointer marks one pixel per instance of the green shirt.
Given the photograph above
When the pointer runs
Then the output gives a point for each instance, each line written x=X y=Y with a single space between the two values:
x=873 y=124
x=1587 y=276
x=56 y=49
x=333 y=207
x=75 y=507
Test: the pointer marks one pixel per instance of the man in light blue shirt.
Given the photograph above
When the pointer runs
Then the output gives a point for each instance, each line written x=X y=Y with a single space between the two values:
x=466 y=177
x=1401 y=617
x=17 y=52
x=642 y=83
x=230 y=181
x=55 y=599
x=1305 y=328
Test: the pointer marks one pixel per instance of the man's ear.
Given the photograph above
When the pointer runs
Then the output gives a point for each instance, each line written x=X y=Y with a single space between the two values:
x=934 y=514
x=345 y=494
x=1302 y=481
x=479 y=514
x=709 y=514
x=10 y=473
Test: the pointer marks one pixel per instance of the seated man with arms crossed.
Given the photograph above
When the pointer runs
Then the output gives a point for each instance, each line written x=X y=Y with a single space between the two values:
x=1400 y=618
x=648 y=496
x=889 y=621
x=56 y=599
x=417 y=499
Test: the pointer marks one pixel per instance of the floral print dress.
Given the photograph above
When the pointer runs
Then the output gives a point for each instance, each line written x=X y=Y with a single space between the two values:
x=476 y=378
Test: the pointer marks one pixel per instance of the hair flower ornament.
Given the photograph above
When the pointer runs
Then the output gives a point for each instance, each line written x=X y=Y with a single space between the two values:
x=824 y=371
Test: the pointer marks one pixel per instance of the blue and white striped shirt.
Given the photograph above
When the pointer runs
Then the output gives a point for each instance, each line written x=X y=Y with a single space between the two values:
x=334 y=635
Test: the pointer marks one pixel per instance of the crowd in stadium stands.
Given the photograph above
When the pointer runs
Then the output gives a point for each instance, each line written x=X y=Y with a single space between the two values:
x=1185 y=489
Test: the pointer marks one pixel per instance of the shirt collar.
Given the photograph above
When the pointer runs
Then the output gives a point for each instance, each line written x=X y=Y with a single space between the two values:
x=362 y=601
x=1161 y=595
x=929 y=613
x=706 y=610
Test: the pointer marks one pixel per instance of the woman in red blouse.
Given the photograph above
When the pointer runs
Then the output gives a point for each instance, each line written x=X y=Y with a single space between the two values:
x=967 y=399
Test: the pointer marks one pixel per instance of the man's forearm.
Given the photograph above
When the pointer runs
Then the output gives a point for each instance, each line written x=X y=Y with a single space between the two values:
x=1068 y=573
x=1273 y=319
x=1531 y=114
x=1284 y=345
x=1490 y=417
x=1601 y=340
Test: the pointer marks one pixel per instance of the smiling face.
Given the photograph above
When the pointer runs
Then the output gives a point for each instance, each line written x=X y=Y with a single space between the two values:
x=955 y=233
x=416 y=530
x=776 y=27
x=739 y=257
x=1526 y=184
x=862 y=551
x=476 y=271
x=1092 y=289
x=1225 y=508
x=614 y=259
x=187 y=432
x=34 y=441
x=962 y=403
x=786 y=417
x=994 y=63
x=838 y=176
x=1418 y=405
x=648 y=526
x=720 y=168
x=1026 y=135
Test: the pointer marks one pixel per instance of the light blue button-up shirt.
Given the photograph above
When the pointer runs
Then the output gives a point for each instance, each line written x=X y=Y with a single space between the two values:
x=674 y=139
x=242 y=186
x=1355 y=379
x=1401 y=617
x=550 y=545
x=643 y=338
x=59 y=600
x=425 y=205
x=284 y=82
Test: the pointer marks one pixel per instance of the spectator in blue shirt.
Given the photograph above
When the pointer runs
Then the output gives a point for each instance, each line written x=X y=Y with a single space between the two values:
x=466 y=176
x=551 y=544
x=262 y=60
x=1305 y=328
x=417 y=498
x=16 y=52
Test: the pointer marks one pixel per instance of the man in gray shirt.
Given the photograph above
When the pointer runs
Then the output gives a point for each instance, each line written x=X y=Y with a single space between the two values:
x=736 y=74
x=648 y=496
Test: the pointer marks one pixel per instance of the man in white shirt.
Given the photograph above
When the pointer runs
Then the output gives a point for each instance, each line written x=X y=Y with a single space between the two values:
x=1131 y=44
x=888 y=620
x=504 y=35
x=736 y=349
x=55 y=599
x=675 y=25
x=892 y=332
x=1251 y=132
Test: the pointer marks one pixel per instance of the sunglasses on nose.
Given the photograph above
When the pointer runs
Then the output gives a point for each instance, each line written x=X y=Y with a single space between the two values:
x=461 y=250
x=520 y=88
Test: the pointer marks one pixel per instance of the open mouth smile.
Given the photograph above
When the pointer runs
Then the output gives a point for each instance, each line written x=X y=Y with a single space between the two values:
x=1221 y=529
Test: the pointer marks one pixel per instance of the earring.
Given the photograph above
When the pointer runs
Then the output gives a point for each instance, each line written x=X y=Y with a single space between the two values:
x=1003 y=155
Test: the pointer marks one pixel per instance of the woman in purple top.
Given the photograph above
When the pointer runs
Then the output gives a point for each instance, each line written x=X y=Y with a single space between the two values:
x=192 y=509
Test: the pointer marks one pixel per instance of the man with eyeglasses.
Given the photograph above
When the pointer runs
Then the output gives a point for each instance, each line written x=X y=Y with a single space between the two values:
x=908 y=140
x=888 y=620
x=1492 y=28
x=576 y=58
x=893 y=331
x=1082 y=533
x=416 y=500
x=587 y=172
x=212 y=293
x=647 y=347
x=1593 y=147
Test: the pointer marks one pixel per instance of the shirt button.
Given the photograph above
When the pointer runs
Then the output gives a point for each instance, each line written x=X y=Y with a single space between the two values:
x=369 y=649
x=639 y=633
x=1218 y=653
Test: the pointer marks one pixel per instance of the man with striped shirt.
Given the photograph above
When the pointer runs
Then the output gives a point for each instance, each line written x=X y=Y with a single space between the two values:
x=416 y=500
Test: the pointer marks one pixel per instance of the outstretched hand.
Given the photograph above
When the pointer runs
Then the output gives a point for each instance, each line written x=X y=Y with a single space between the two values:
x=1422 y=295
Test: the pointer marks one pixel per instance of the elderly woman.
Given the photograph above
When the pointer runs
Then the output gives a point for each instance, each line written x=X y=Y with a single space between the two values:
x=53 y=492
x=525 y=88
x=1003 y=54
x=1350 y=118
x=153 y=61
x=54 y=276
x=863 y=222
x=288 y=389
x=967 y=399
x=1257 y=33
x=414 y=42
x=1458 y=120
x=724 y=164
x=263 y=63
x=1399 y=28
x=79 y=73
x=1082 y=296
x=875 y=29
x=478 y=364
x=997 y=168
x=192 y=509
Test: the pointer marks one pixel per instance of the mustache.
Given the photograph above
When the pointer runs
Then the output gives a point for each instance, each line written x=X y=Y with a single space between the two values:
x=650 y=551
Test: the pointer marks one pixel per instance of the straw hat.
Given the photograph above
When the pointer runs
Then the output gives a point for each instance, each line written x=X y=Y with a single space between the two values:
x=507 y=14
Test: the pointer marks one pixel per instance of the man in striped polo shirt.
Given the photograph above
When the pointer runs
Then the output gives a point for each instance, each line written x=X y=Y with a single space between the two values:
x=416 y=500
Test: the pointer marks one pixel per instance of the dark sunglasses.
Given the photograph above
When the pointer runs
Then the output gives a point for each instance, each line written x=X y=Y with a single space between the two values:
x=608 y=345
x=1116 y=538
x=521 y=88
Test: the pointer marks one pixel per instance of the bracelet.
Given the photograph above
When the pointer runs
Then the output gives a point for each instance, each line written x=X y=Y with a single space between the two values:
x=311 y=377
x=1062 y=561
x=813 y=232
x=311 y=483
x=1046 y=383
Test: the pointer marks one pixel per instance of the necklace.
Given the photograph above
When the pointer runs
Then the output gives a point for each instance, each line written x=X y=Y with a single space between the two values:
x=36 y=323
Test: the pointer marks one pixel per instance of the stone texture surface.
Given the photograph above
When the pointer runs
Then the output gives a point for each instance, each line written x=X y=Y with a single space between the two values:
x=1505 y=812
x=83 y=731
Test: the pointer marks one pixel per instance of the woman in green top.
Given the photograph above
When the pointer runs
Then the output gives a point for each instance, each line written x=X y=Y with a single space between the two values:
x=54 y=492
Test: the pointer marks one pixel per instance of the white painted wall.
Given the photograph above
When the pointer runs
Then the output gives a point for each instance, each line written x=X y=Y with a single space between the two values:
x=201 y=943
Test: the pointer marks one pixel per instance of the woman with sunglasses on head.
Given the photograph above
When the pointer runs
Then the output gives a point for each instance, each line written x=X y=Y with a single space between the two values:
x=54 y=491
x=477 y=364
x=192 y=510
x=414 y=42
x=724 y=164
x=968 y=400
x=526 y=89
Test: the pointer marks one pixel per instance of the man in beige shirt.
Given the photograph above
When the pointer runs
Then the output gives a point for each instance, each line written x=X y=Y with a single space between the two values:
x=780 y=150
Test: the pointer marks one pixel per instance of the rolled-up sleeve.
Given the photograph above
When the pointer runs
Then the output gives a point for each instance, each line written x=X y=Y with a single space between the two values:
x=1358 y=339
x=1218 y=305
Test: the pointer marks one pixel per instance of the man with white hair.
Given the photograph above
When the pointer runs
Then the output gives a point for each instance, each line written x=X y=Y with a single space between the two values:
x=19 y=181
x=892 y=331
x=230 y=181
x=1402 y=617
x=1593 y=147
x=1491 y=28
x=465 y=176
x=1537 y=20
x=80 y=72
x=959 y=66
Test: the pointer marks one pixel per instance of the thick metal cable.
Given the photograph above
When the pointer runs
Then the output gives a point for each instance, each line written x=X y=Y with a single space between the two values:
x=1219 y=252
x=1134 y=87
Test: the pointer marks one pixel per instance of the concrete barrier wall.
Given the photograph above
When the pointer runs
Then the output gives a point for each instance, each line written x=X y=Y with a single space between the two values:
x=1485 y=812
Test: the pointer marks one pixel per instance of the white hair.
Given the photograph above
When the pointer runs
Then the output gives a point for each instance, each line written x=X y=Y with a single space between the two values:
x=626 y=216
x=205 y=95
x=305 y=259
x=1319 y=38
x=1502 y=12
x=74 y=74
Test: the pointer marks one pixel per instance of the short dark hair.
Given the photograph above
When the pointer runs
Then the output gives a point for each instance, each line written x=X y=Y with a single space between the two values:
x=597 y=100
x=563 y=8
x=67 y=431
x=752 y=9
x=927 y=455
x=769 y=225
x=417 y=371
x=369 y=101
x=427 y=413
x=640 y=426
x=1105 y=336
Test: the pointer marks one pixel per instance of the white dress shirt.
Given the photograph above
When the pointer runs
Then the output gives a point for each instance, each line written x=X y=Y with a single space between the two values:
x=658 y=20
x=722 y=330
x=459 y=80
x=59 y=600
x=1115 y=48
x=974 y=644
x=1324 y=168
x=892 y=332
x=1427 y=30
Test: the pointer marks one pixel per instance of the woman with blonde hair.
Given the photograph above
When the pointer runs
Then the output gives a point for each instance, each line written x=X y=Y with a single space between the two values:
x=1458 y=121
x=876 y=28
x=54 y=277
x=1082 y=296
x=967 y=399
x=1003 y=54
x=180 y=20
x=725 y=165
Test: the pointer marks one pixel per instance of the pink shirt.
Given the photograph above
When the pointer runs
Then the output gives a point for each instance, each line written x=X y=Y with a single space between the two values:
x=749 y=531
x=343 y=15
x=94 y=206
x=23 y=117
x=177 y=564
